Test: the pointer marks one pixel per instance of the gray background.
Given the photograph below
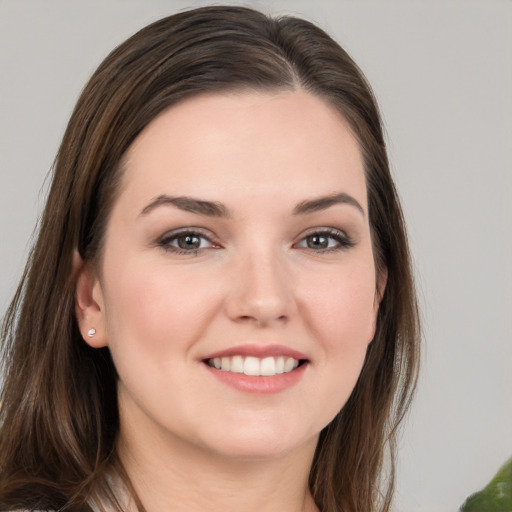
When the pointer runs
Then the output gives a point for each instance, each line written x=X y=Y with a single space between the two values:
x=442 y=72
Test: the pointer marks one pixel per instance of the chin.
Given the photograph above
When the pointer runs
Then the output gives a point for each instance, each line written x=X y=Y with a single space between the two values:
x=258 y=451
x=260 y=442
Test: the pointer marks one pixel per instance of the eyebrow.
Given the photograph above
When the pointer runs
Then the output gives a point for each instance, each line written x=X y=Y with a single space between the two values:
x=189 y=204
x=217 y=209
x=322 y=203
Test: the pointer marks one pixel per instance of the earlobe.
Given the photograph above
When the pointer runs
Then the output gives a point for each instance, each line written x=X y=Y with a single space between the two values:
x=89 y=308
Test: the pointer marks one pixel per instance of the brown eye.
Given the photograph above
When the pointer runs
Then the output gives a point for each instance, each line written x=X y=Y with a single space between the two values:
x=185 y=242
x=317 y=242
x=188 y=242
x=325 y=241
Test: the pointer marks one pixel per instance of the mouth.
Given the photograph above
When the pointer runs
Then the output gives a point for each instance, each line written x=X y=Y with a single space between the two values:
x=255 y=366
x=258 y=369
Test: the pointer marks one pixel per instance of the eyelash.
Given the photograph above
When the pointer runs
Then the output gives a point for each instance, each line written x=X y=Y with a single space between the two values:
x=166 y=240
x=341 y=241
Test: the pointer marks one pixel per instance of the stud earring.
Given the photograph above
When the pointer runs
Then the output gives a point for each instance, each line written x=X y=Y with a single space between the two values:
x=91 y=332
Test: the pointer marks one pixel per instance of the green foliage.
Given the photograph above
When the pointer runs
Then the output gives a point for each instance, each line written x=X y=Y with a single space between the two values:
x=496 y=496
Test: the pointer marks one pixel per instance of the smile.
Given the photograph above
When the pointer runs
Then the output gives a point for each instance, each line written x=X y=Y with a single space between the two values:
x=254 y=366
x=258 y=369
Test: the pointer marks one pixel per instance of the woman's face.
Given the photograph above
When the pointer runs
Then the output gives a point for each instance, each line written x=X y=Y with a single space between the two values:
x=237 y=291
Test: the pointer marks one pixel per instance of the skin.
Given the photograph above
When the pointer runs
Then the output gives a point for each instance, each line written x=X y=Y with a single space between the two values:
x=256 y=278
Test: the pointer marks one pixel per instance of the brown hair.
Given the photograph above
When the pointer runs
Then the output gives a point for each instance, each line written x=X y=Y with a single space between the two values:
x=59 y=418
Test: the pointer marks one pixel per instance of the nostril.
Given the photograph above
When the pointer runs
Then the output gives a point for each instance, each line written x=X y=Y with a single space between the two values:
x=261 y=319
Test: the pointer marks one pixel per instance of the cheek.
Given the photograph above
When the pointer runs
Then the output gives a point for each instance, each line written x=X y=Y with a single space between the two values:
x=341 y=315
x=156 y=311
x=341 y=308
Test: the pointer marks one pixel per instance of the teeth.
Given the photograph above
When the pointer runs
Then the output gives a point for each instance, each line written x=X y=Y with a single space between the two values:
x=280 y=365
x=289 y=365
x=225 y=364
x=237 y=364
x=252 y=366
x=268 y=366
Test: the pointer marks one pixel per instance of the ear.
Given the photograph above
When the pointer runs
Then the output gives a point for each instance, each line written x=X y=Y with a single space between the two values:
x=89 y=304
x=382 y=279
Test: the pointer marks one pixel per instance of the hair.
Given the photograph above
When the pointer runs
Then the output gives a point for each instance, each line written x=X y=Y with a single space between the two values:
x=59 y=416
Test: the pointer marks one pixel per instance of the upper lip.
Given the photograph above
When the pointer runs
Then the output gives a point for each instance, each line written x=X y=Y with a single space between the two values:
x=259 y=351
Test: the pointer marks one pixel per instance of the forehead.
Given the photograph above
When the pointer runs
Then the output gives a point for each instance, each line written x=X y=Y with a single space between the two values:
x=246 y=146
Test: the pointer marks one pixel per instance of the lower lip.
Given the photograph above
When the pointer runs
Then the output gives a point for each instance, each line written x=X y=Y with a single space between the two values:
x=264 y=385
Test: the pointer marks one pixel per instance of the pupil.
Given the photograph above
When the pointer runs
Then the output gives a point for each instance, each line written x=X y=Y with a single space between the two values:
x=189 y=242
x=317 y=241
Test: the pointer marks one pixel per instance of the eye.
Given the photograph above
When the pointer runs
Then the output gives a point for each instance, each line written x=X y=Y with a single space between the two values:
x=326 y=240
x=186 y=242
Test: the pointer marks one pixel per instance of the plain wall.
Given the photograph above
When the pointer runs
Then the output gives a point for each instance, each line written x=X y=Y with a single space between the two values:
x=442 y=72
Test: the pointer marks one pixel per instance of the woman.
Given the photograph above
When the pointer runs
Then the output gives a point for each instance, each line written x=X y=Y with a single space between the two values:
x=219 y=310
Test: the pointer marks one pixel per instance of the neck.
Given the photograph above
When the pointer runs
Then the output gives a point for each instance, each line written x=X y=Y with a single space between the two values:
x=172 y=475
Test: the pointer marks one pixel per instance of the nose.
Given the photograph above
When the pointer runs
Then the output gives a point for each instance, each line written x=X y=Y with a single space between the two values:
x=261 y=290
